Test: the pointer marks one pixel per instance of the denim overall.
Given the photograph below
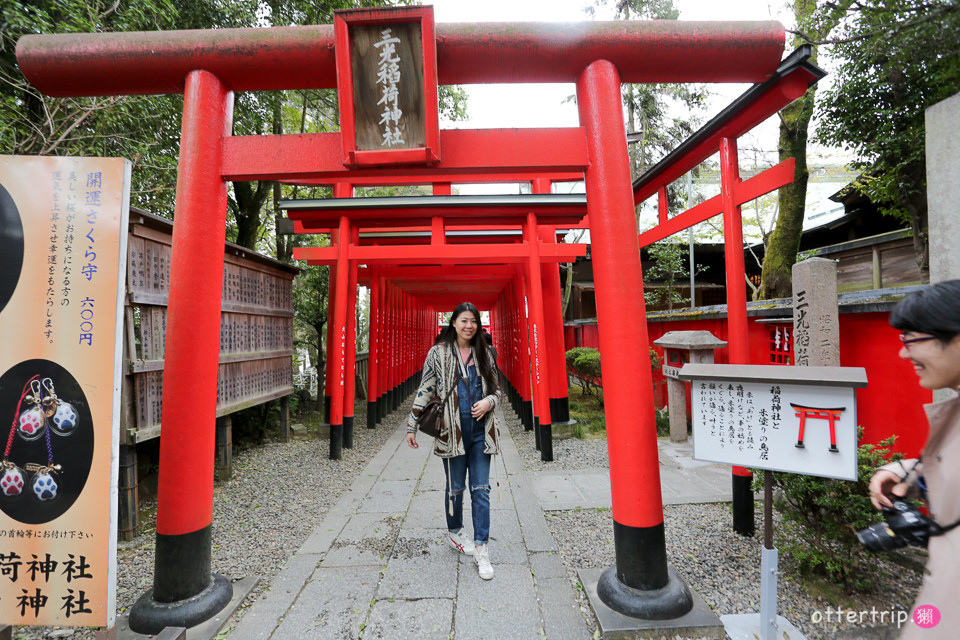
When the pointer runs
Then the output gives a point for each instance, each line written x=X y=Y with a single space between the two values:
x=475 y=460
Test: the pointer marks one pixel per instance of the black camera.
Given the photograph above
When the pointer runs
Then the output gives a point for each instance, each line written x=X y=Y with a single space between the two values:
x=904 y=525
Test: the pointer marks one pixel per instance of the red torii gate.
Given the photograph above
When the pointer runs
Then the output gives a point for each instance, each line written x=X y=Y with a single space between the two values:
x=208 y=66
x=790 y=81
x=538 y=245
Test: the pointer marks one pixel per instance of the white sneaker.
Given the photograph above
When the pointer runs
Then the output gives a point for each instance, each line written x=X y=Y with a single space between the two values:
x=460 y=542
x=482 y=558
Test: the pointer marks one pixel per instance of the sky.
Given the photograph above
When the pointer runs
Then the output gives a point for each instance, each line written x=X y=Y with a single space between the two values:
x=548 y=105
x=544 y=103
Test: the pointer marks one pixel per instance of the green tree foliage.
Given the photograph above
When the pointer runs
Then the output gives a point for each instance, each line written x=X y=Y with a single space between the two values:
x=668 y=268
x=145 y=129
x=652 y=108
x=781 y=251
x=821 y=517
x=895 y=58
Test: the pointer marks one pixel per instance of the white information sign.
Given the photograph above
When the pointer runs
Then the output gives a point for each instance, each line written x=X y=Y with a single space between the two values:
x=797 y=426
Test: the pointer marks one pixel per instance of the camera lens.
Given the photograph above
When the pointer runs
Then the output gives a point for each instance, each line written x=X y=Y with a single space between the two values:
x=880 y=537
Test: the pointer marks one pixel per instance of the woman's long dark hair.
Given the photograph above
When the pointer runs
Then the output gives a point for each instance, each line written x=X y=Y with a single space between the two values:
x=484 y=357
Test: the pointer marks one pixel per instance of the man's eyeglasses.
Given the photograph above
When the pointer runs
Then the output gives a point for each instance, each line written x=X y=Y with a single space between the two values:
x=909 y=341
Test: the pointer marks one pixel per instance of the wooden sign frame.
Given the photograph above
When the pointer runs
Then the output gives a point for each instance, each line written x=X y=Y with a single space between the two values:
x=417 y=139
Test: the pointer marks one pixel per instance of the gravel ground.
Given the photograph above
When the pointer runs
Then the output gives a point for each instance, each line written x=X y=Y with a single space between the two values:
x=280 y=491
x=721 y=566
x=278 y=494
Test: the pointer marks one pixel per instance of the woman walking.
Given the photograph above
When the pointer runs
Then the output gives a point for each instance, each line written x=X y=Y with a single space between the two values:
x=460 y=357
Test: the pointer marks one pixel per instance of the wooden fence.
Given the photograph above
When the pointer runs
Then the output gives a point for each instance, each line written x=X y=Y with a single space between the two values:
x=256 y=342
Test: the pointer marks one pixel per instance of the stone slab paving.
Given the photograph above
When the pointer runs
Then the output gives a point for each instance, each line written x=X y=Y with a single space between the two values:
x=379 y=563
x=683 y=480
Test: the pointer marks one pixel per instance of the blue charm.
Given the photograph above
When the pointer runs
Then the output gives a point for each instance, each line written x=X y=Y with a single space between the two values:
x=64 y=419
x=44 y=487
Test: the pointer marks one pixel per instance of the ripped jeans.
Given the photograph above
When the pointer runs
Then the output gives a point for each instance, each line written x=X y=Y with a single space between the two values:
x=478 y=464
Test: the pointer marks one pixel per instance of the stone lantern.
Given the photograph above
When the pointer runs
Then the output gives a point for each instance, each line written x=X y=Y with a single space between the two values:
x=679 y=348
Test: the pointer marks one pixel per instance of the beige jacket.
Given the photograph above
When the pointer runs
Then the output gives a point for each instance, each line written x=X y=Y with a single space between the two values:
x=439 y=376
x=941 y=472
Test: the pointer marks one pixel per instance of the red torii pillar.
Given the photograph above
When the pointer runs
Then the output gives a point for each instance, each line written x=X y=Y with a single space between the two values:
x=185 y=518
x=553 y=323
x=737 y=340
x=350 y=389
x=373 y=364
x=641 y=584
x=524 y=378
x=337 y=350
x=538 y=353
x=328 y=362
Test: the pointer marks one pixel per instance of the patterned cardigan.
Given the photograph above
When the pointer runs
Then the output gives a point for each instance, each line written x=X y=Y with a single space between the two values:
x=439 y=376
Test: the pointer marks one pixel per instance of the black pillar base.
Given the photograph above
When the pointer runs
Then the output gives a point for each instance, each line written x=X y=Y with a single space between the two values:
x=336 y=441
x=536 y=432
x=348 y=432
x=559 y=410
x=642 y=585
x=546 y=442
x=526 y=414
x=184 y=591
x=381 y=408
x=670 y=601
x=743 y=505
x=372 y=414
x=151 y=617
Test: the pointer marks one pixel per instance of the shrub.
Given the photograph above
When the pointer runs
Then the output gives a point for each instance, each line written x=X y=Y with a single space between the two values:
x=821 y=517
x=572 y=355
x=584 y=362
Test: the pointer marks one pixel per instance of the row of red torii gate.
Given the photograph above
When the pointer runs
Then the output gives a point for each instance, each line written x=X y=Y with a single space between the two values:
x=423 y=255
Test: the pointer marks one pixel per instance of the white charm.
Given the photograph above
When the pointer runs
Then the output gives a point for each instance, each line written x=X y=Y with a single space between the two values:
x=64 y=420
x=11 y=481
x=44 y=486
x=31 y=424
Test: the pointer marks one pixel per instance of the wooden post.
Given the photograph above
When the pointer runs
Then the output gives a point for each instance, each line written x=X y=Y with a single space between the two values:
x=99 y=634
x=224 y=463
x=128 y=498
x=285 y=418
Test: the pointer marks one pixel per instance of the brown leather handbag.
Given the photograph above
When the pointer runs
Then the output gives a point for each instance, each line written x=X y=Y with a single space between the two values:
x=430 y=421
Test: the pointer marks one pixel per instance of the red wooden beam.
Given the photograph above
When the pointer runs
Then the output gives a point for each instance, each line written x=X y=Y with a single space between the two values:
x=465 y=151
x=443 y=254
x=760 y=184
x=87 y=64
x=380 y=180
x=757 y=104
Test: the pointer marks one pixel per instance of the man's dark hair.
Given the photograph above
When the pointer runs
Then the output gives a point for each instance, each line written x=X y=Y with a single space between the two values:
x=934 y=310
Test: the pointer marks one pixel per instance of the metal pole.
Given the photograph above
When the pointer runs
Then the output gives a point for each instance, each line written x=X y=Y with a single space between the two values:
x=768 y=565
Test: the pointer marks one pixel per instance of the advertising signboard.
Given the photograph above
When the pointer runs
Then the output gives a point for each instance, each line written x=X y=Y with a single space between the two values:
x=63 y=231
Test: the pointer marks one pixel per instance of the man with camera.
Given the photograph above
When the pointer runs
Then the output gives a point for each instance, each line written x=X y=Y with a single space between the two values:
x=929 y=320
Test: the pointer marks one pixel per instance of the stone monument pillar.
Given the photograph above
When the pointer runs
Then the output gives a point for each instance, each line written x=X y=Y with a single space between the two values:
x=943 y=194
x=943 y=187
x=816 y=323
